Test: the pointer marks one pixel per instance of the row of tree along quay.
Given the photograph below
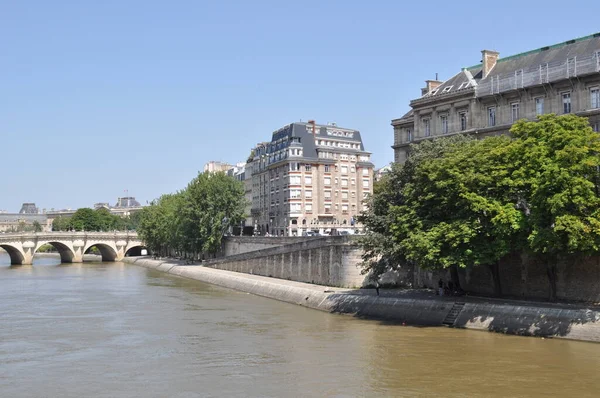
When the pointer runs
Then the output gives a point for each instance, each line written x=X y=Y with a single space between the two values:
x=191 y=223
x=462 y=202
x=101 y=219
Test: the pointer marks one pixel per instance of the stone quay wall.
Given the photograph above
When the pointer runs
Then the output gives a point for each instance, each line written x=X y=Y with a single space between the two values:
x=243 y=244
x=330 y=261
x=523 y=277
x=510 y=317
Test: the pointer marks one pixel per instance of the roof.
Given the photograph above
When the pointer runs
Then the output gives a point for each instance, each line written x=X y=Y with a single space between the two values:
x=582 y=52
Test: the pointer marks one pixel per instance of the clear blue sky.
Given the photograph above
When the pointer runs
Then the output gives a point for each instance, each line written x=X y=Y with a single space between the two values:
x=99 y=97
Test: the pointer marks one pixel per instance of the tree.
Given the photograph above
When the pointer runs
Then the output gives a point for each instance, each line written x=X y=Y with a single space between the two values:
x=37 y=227
x=214 y=202
x=194 y=220
x=462 y=210
x=391 y=214
x=85 y=219
x=61 y=224
x=557 y=169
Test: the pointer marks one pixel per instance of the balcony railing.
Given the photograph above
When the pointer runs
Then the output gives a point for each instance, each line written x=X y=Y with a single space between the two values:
x=541 y=74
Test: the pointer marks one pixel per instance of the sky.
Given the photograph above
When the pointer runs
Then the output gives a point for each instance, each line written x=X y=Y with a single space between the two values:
x=103 y=99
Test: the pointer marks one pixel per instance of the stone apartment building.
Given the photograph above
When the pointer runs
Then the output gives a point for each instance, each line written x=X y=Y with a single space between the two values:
x=486 y=99
x=309 y=177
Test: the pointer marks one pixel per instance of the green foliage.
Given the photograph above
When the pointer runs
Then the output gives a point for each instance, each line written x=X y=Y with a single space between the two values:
x=47 y=248
x=465 y=202
x=86 y=219
x=194 y=220
x=37 y=227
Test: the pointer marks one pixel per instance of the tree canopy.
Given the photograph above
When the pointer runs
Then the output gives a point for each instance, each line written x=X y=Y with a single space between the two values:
x=463 y=202
x=86 y=219
x=194 y=220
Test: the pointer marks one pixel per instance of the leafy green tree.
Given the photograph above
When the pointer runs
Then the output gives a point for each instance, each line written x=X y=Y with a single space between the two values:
x=37 y=227
x=557 y=169
x=61 y=224
x=194 y=220
x=391 y=214
x=463 y=211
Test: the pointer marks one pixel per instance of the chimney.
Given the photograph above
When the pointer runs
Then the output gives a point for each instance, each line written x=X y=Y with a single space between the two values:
x=488 y=61
x=312 y=122
x=430 y=85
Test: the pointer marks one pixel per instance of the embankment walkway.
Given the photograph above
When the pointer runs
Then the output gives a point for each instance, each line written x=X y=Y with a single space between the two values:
x=409 y=307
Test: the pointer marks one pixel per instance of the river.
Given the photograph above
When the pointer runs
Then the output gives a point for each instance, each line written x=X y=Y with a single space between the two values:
x=117 y=330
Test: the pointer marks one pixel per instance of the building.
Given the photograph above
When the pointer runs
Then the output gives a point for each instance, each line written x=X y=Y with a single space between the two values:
x=29 y=208
x=124 y=207
x=241 y=172
x=214 y=166
x=310 y=177
x=23 y=222
x=486 y=99
x=379 y=173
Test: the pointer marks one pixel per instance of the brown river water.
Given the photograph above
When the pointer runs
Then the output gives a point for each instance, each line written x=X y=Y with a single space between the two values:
x=117 y=330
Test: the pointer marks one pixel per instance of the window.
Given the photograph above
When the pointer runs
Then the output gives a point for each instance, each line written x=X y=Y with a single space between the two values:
x=444 y=120
x=365 y=172
x=365 y=183
x=566 y=101
x=344 y=182
x=327 y=194
x=354 y=181
x=492 y=116
x=409 y=136
x=295 y=193
x=596 y=127
x=446 y=89
x=308 y=180
x=308 y=194
x=294 y=166
x=514 y=111
x=307 y=167
x=352 y=169
x=308 y=207
x=539 y=106
x=463 y=120
x=295 y=207
x=344 y=169
x=327 y=168
x=595 y=97
x=327 y=180
x=427 y=127
x=344 y=208
x=344 y=194
x=294 y=180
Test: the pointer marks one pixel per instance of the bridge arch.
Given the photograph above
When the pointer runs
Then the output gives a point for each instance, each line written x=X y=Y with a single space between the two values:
x=16 y=256
x=108 y=252
x=136 y=250
x=66 y=253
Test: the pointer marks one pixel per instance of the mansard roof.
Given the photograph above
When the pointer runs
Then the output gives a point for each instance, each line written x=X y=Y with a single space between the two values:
x=583 y=52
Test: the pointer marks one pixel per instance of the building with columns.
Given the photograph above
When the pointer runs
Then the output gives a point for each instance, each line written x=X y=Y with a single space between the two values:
x=309 y=178
x=487 y=98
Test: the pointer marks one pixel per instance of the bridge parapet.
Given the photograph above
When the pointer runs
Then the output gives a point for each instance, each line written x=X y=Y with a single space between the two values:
x=71 y=245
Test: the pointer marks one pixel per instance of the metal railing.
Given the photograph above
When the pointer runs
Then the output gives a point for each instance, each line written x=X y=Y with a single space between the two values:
x=541 y=74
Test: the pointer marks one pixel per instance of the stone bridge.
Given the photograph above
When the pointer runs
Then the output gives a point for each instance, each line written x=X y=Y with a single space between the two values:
x=113 y=246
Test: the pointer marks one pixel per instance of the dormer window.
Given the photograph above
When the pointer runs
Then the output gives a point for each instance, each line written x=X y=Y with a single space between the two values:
x=463 y=85
x=446 y=89
x=434 y=92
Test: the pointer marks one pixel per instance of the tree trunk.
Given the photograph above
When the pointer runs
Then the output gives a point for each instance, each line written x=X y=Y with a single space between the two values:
x=551 y=271
x=454 y=277
x=495 y=268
